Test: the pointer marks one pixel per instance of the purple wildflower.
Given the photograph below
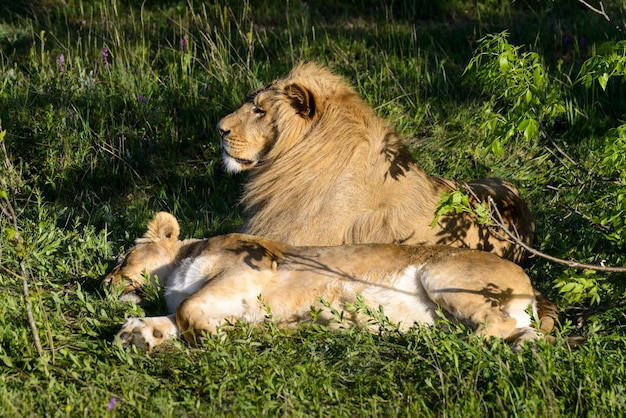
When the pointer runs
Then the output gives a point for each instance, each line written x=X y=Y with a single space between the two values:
x=61 y=63
x=567 y=40
x=183 y=43
x=111 y=404
x=582 y=42
x=105 y=56
x=142 y=99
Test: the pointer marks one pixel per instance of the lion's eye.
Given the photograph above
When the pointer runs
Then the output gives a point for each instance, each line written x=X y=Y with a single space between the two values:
x=258 y=110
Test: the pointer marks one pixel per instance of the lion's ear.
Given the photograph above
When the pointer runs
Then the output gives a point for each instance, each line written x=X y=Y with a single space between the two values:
x=301 y=99
x=163 y=226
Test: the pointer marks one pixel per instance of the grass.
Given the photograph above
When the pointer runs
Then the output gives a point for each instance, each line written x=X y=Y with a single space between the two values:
x=96 y=143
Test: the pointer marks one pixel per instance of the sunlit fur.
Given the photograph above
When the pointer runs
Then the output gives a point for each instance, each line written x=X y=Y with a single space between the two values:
x=238 y=277
x=325 y=170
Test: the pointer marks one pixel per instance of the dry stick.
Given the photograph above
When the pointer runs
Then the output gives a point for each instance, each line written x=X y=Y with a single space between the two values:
x=579 y=181
x=599 y=11
x=559 y=159
x=576 y=165
x=570 y=263
x=7 y=210
x=575 y=211
x=29 y=312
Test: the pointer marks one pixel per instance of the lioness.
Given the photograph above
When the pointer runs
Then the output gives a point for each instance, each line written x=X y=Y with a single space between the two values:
x=325 y=170
x=234 y=277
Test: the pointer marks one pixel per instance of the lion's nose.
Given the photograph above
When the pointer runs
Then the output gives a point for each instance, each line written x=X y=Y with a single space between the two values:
x=223 y=132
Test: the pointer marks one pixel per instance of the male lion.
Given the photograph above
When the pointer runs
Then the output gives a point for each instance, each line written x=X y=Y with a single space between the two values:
x=325 y=170
x=237 y=277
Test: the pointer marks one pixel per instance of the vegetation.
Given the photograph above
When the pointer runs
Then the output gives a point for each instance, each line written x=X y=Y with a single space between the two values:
x=108 y=112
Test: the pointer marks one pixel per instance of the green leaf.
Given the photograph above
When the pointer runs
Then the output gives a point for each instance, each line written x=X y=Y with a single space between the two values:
x=567 y=287
x=7 y=361
x=603 y=80
x=529 y=127
x=503 y=61
x=497 y=148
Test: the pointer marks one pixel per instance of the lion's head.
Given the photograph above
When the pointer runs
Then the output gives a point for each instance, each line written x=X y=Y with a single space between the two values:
x=278 y=115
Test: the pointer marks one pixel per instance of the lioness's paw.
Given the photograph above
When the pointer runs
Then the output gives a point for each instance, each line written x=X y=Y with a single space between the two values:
x=146 y=333
x=524 y=336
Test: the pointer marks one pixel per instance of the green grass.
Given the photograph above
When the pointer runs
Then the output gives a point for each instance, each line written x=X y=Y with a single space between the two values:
x=91 y=153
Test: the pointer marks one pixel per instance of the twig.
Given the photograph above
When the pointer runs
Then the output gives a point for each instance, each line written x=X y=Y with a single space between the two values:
x=598 y=226
x=9 y=212
x=576 y=165
x=578 y=180
x=29 y=312
x=599 y=11
x=570 y=263
x=7 y=208
x=582 y=314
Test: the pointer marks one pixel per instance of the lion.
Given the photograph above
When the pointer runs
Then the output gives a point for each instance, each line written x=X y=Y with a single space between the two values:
x=323 y=169
x=209 y=283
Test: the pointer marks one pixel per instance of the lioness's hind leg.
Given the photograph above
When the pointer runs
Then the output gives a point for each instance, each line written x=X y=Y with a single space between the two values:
x=147 y=333
x=196 y=320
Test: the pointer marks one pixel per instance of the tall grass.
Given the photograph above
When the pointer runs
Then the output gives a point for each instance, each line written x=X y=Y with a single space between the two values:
x=123 y=124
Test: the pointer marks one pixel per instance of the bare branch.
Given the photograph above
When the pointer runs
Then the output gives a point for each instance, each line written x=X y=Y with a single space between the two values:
x=570 y=263
x=582 y=313
x=599 y=11
x=29 y=312
x=6 y=209
x=580 y=168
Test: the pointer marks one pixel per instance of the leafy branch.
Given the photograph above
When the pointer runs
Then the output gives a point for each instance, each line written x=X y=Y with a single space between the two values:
x=526 y=102
x=523 y=96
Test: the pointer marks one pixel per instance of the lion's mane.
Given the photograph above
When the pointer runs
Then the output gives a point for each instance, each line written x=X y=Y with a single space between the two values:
x=324 y=169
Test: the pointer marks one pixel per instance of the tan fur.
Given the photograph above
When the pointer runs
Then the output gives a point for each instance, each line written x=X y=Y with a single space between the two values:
x=325 y=170
x=234 y=277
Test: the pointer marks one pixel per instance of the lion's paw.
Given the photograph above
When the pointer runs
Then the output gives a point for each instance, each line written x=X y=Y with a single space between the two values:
x=146 y=333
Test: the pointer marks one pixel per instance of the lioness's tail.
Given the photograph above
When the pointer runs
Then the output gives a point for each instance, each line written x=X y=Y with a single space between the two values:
x=549 y=316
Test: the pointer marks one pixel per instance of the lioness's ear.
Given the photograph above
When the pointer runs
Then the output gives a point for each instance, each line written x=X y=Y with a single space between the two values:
x=163 y=226
x=301 y=99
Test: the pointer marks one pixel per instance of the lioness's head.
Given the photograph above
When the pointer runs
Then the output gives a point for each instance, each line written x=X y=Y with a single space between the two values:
x=153 y=254
x=277 y=115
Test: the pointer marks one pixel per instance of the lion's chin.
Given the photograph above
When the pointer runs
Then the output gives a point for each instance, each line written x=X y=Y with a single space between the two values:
x=236 y=165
